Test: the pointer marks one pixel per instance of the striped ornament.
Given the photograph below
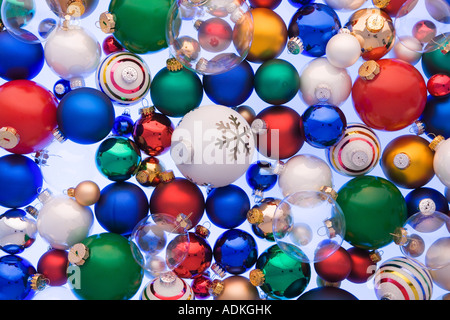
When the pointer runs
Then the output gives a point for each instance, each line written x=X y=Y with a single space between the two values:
x=400 y=278
x=124 y=77
x=168 y=288
x=357 y=153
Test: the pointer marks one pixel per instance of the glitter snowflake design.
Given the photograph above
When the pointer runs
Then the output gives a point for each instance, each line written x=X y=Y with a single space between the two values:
x=234 y=137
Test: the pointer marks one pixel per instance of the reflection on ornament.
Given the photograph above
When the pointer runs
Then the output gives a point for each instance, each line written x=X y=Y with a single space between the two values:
x=439 y=85
x=17 y=231
x=167 y=287
x=262 y=215
x=237 y=288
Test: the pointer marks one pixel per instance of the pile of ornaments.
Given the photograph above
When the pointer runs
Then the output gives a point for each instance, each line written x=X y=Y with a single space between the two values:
x=159 y=177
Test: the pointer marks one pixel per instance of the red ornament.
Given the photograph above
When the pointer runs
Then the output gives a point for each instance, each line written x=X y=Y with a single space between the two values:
x=439 y=85
x=392 y=7
x=111 y=45
x=153 y=132
x=53 y=266
x=279 y=132
x=335 y=267
x=201 y=285
x=27 y=116
x=364 y=264
x=269 y=4
x=389 y=94
x=214 y=35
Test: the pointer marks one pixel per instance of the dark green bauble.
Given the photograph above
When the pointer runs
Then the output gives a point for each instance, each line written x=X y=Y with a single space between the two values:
x=437 y=61
x=373 y=208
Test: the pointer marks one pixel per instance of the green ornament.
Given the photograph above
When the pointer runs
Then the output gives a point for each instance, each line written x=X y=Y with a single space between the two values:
x=176 y=90
x=280 y=276
x=103 y=268
x=373 y=208
x=139 y=25
x=437 y=61
x=276 y=81
x=118 y=158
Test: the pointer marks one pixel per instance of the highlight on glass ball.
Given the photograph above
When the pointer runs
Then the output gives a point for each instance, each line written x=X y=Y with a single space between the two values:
x=210 y=37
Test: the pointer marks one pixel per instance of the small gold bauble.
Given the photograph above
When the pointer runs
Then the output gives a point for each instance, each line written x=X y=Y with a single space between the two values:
x=86 y=193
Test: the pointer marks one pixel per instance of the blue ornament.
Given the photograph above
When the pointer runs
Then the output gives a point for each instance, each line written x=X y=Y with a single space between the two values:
x=19 y=60
x=324 y=125
x=426 y=200
x=436 y=116
x=230 y=88
x=85 y=115
x=123 y=125
x=310 y=29
x=15 y=276
x=260 y=178
x=235 y=251
x=299 y=3
x=227 y=207
x=20 y=181
x=61 y=88
x=121 y=206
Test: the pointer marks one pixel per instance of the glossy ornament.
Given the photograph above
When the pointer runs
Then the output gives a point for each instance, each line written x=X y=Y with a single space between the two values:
x=320 y=81
x=345 y=5
x=117 y=158
x=103 y=268
x=123 y=125
x=17 y=231
x=408 y=50
x=168 y=286
x=388 y=83
x=226 y=207
x=440 y=278
x=124 y=77
x=237 y=287
x=437 y=61
x=425 y=199
x=439 y=85
x=53 y=266
x=176 y=90
x=149 y=172
x=269 y=4
x=363 y=264
x=27 y=116
x=280 y=276
x=399 y=278
x=279 y=132
x=261 y=217
x=20 y=181
x=434 y=117
x=310 y=29
x=441 y=155
x=85 y=116
x=260 y=178
x=61 y=88
x=336 y=267
x=80 y=8
x=15 y=273
x=343 y=49
x=407 y=161
x=212 y=146
x=370 y=223
x=201 y=286
x=110 y=45
x=327 y=293
x=357 y=153
x=391 y=7
x=299 y=3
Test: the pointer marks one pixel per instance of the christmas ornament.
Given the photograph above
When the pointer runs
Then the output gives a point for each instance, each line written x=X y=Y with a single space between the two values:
x=390 y=7
x=110 y=45
x=381 y=87
x=175 y=196
x=320 y=81
x=20 y=180
x=310 y=29
x=20 y=60
x=237 y=287
x=324 y=125
x=371 y=222
x=436 y=61
x=235 y=251
x=246 y=112
x=15 y=273
x=167 y=287
x=440 y=277
x=363 y=264
x=230 y=88
x=53 y=266
x=124 y=77
x=61 y=88
x=401 y=279
x=345 y=5
x=139 y=26
x=269 y=36
x=425 y=199
x=85 y=116
x=260 y=178
x=269 y=4
x=152 y=132
x=375 y=31
x=262 y=215
x=434 y=117
x=117 y=158
x=226 y=207
x=279 y=132
x=17 y=231
x=441 y=148
x=201 y=286
x=123 y=124
x=121 y=206
x=309 y=225
x=78 y=8
x=27 y=116
x=102 y=267
x=327 y=293
x=279 y=275
x=212 y=145
x=336 y=267
x=407 y=161
x=439 y=85
x=343 y=49
x=149 y=172
x=408 y=50
x=357 y=153
x=85 y=193
x=299 y=3
x=176 y=90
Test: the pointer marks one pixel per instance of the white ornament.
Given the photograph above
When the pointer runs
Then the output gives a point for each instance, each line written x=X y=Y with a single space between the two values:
x=345 y=5
x=343 y=50
x=408 y=49
x=441 y=160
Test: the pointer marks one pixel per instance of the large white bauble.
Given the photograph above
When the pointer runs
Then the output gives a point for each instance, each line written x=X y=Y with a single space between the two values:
x=345 y=5
x=441 y=162
x=408 y=49
x=212 y=146
x=320 y=81
x=343 y=50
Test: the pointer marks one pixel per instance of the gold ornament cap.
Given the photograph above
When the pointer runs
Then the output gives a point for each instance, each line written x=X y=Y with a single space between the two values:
x=167 y=176
x=144 y=176
x=369 y=70
x=375 y=23
x=255 y=216
x=78 y=254
x=173 y=65
x=107 y=23
x=257 y=277
x=147 y=111
x=217 y=287
x=59 y=136
x=418 y=127
x=38 y=282
x=375 y=256
x=400 y=236
x=76 y=8
x=436 y=142
x=330 y=191
x=381 y=4
x=9 y=138
x=202 y=231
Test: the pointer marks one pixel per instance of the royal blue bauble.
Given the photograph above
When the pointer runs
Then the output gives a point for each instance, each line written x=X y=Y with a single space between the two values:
x=20 y=181
x=327 y=293
x=123 y=125
x=324 y=125
x=436 y=116
x=426 y=200
x=235 y=251
x=61 y=88
x=19 y=60
x=227 y=207
x=260 y=177
x=15 y=273
x=230 y=88
x=299 y=3
x=85 y=115
x=121 y=206
x=312 y=26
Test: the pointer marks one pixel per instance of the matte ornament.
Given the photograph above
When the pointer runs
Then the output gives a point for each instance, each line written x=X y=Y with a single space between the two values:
x=53 y=266
x=336 y=267
x=327 y=293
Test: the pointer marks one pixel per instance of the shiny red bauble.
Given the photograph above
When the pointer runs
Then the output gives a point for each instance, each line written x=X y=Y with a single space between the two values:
x=389 y=94
x=279 y=132
x=335 y=267
x=439 y=85
x=27 y=116
x=363 y=265
x=214 y=35
x=201 y=285
x=111 y=45
x=392 y=7
x=269 y=4
x=53 y=266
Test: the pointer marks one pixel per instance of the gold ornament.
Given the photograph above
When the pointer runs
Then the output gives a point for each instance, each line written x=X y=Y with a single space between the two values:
x=86 y=193
x=247 y=113
x=149 y=172
x=236 y=288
